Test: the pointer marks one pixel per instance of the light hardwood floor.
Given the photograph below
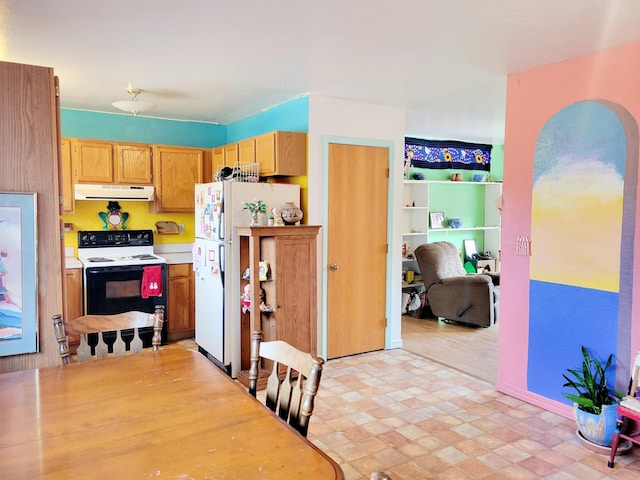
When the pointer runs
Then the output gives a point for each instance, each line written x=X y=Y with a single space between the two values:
x=471 y=350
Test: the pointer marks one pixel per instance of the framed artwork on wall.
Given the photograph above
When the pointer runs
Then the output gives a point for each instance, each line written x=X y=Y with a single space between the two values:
x=18 y=274
x=437 y=219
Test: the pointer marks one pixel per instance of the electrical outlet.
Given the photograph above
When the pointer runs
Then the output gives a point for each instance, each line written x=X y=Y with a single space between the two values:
x=181 y=227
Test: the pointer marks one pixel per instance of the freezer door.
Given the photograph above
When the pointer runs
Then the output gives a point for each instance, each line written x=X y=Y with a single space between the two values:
x=210 y=329
x=274 y=195
x=209 y=211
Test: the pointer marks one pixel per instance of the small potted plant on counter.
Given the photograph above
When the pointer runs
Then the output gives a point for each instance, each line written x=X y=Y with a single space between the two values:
x=595 y=405
x=255 y=207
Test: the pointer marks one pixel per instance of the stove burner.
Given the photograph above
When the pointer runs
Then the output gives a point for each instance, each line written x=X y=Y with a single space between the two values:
x=145 y=256
x=108 y=249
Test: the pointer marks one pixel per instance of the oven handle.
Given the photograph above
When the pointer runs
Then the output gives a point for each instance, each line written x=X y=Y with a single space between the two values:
x=121 y=268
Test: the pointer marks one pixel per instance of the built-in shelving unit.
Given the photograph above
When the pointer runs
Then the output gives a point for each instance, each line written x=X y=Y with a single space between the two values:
x=473 y=202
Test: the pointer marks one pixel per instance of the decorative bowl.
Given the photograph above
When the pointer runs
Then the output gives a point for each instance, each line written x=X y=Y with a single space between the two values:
x=455 y=222
x=478 y=177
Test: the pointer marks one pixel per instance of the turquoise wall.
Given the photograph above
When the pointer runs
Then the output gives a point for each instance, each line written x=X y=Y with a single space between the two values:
x=127 y=128
x=292 y=116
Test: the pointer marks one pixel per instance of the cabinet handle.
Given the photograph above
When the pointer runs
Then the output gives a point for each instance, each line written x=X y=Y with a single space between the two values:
x=334 y=266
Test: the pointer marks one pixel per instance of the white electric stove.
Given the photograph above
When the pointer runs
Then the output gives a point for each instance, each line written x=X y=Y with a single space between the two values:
x=115 y=265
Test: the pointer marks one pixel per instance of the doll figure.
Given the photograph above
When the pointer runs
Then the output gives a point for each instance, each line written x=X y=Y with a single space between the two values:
x=277 y=217
x=245 y=298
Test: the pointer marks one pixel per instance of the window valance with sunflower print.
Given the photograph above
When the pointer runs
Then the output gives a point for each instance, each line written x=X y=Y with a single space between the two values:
x=443 y=154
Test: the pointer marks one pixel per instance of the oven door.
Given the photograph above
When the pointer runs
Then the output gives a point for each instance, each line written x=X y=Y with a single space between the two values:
x=109 y=290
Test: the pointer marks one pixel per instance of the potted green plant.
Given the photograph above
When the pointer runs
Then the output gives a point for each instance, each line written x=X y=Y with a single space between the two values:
x=595 y=405
x=255 y=207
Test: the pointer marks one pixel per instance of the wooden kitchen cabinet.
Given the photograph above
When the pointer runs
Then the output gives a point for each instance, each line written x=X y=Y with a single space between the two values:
x=96 y=161
x=181 y=307
x=176 y=171
x=278 y=153
x=290 y=287
x=231 y=154
x=132 y=164
x=66 y=162
x=74 y=292
x=228 y=156
x=217 y=162
x=281 y=153
x=92 y=161
x=73 y=300
x=247 y=151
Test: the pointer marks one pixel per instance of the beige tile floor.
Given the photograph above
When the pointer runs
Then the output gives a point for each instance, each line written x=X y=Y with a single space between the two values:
x=416 y=419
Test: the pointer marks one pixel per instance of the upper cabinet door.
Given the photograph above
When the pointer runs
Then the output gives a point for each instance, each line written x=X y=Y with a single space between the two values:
x=133 y=164
x=177 y=170
x=217 y=161
x=282 y=153
x=266 y=153
x=231 y=154
x=247 y=151
x=93 y=161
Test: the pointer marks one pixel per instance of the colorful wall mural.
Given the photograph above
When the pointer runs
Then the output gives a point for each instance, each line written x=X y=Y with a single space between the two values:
x=576 y=227
x=571 y=187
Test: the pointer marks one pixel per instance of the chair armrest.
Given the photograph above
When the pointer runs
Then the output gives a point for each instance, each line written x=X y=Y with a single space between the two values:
x=495 y=277
x=469 y=279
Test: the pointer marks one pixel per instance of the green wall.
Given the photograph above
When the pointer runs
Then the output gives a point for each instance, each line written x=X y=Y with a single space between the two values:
x=468 y=202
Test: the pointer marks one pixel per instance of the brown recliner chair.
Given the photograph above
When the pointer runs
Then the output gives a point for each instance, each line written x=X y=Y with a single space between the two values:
x=451 y=292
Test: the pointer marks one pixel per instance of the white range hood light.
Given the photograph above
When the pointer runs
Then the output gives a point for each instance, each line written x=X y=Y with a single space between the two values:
x=142 y=193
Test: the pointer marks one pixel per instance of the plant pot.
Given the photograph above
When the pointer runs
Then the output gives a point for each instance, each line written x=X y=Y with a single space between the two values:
x=598 y=429
x=291 y=214
x=623 y=447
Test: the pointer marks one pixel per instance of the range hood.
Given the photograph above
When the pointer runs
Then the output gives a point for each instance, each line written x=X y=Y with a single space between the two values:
x=143 y=193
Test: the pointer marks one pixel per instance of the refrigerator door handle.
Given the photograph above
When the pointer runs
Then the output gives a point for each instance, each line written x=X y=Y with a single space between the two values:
x=220 y=229
x=221 y=261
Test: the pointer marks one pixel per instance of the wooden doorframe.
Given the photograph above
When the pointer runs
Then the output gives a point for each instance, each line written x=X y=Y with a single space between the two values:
x=363 y=142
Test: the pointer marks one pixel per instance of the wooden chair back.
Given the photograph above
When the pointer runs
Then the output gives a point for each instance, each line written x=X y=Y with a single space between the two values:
x=634 y=380
x=100 y=324
x=293 y=383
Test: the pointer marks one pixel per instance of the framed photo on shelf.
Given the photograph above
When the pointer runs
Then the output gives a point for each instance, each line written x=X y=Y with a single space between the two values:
x=437 y=219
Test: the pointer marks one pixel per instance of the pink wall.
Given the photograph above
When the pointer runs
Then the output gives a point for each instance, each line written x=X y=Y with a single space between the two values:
x=533 y=97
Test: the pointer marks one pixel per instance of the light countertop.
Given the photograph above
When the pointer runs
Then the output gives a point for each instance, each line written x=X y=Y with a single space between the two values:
x=72 y=262
x=179 y=257
x=172 y=253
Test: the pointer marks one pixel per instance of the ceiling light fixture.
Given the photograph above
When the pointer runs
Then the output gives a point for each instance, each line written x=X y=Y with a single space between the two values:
x=133 y=106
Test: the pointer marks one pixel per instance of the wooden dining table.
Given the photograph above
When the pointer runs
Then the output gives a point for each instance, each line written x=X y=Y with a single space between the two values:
x=165 y=414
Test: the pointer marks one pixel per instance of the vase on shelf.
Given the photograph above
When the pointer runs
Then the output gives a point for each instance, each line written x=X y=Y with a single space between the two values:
x=291 y=214
x=254 y=219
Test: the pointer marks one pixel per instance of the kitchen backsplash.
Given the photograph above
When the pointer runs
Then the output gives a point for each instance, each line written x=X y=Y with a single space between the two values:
x=86 y=217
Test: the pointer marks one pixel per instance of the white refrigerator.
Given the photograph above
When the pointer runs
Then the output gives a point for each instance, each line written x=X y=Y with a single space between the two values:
x=219 y=207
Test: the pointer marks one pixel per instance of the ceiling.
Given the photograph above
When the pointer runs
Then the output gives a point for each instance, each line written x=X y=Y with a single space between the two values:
x=220 y=61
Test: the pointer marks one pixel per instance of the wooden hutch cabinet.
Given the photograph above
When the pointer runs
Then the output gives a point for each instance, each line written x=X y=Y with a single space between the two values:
x=289 y=285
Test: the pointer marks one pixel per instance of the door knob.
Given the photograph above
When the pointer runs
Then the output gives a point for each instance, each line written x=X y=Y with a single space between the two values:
x=333 y=266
